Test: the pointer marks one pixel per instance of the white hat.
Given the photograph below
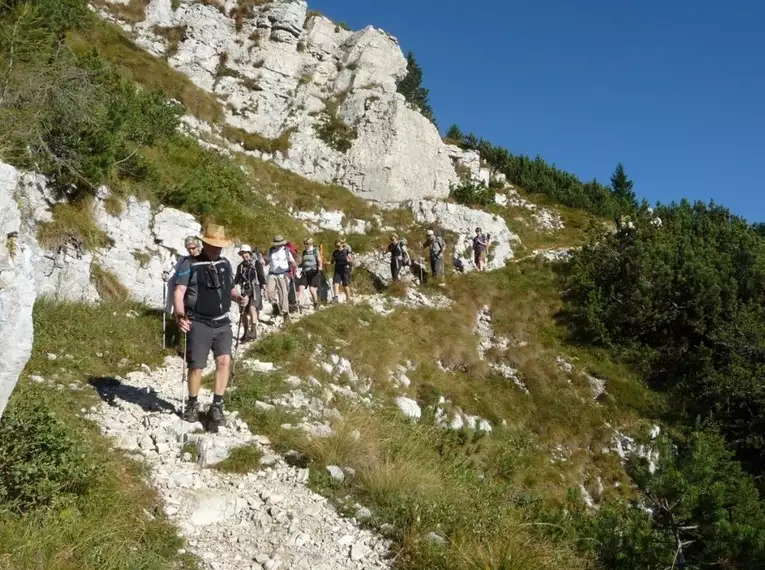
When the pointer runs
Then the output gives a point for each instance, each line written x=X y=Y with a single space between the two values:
x=430 y=233
x=245 y=249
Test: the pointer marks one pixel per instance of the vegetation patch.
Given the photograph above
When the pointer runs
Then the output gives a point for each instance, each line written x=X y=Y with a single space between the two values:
x=331 y=129
x=107 y=284
x=65 y=494
x=72 y=224
x=173 y=35
x=254 y=141
x=242 y=10
x=132 y=12
x=241 y=460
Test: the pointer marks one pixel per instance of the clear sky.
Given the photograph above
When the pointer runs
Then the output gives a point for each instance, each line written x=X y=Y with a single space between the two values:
x=675 y=89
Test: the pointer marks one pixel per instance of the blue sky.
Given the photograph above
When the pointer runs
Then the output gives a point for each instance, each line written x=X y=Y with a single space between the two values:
x=673 y=89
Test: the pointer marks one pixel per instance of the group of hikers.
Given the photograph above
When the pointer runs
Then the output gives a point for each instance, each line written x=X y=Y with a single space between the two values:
x=202 y=285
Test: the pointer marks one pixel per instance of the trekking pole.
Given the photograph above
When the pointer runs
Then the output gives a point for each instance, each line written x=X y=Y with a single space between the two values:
x=297 y=301
x=183 y=395
x=236 y=350
x=165 y=276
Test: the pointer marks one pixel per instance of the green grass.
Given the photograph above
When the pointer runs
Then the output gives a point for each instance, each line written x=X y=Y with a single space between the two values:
x=483 y=493
x=241 y=460
x=254 y=141
x=112 y=521
x=147 y=70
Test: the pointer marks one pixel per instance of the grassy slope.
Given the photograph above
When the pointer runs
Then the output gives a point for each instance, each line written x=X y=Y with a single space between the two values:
x=482 y=492
x=115 y=522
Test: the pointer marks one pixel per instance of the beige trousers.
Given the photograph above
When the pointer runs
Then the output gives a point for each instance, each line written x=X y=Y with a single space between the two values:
x=276 y=289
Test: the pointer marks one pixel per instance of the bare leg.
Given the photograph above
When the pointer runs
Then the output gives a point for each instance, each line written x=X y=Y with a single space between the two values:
x=222 y=368
x=194 y=381
x=315 y=295
x=347 y=289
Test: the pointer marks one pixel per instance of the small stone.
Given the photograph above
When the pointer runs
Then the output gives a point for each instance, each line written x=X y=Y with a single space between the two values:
x=267 y=460
x=346 y=540
x=435 y=538
x=409 y=407
x=37 y=379
x=359 y=551
x=52 y=356
x=363 y=513
x=336 y=473
x=261 y=558
x=292 y=381
x=263 y=406
x=271 y=565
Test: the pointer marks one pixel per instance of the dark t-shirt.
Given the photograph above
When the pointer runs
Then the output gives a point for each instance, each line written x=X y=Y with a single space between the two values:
x=479 y=243
x=340 y=258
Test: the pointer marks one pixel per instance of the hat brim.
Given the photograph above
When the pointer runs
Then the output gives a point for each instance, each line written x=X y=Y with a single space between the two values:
x=279 y=243
x=215 y=242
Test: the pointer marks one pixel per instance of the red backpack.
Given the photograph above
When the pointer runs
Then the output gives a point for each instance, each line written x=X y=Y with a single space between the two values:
x=293 y=250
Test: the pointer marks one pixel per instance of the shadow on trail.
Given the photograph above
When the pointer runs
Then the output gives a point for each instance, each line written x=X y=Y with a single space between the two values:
x=111 y=389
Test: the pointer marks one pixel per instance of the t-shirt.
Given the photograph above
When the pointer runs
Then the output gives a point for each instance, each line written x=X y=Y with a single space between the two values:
x=479 y=243
x=340 y=257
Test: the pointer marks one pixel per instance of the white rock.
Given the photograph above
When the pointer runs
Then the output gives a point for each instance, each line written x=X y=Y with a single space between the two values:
x=336 y=473
x=359 y=551
x=17 y=286
x=409 y=407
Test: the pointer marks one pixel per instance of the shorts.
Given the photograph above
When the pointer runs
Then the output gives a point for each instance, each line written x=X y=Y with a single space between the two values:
x=256 y=299
x=342 y=275
x=310 y=279
x=204 y=337
x=479 y=256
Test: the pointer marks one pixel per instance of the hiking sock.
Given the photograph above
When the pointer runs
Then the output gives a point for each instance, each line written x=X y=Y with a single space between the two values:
x=217 y=400
x=193 y=401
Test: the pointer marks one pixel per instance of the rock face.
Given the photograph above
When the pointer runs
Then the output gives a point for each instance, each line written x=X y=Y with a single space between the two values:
x=17 y=287
x=279 y=71
x=463 y=221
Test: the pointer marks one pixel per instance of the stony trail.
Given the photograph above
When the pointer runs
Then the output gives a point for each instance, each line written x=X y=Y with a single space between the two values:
x=265 y=519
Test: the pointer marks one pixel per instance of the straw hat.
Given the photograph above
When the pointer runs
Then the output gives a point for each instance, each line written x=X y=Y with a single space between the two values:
x=215 y=236
x=279 y=240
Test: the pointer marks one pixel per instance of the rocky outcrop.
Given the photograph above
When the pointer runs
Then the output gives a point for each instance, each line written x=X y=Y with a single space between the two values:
x=463 y=221
x=280 y=72
x=17 y=287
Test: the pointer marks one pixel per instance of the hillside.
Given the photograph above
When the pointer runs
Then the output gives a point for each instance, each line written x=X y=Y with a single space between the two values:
x=561 y=410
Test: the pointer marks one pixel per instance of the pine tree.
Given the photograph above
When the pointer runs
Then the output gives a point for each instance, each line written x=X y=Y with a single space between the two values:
x=455 y=134
x=411 y=88
x=621 y=186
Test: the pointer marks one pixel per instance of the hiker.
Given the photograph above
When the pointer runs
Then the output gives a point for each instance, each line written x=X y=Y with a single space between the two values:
x=399 y=256
x=292 y=278
x=193 y=247
x=311 y=265
x=280 y=264
x=251 y=280
x=342 y=259
x=436 y=245
x=202 y=299
x=480 y=247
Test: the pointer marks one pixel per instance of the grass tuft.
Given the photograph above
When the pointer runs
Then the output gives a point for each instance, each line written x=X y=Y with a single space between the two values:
x=107 y=284
x=241 y=460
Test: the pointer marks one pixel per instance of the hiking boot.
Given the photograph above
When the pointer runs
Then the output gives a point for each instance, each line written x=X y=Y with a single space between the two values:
x=215 y=415
x=251 y=335
x=191 y=414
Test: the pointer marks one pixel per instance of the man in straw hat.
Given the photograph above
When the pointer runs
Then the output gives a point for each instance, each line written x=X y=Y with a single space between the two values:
x=281 y=263
x=202 y=299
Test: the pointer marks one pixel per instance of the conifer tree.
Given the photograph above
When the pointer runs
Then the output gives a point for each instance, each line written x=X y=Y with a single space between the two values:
x=411 y=88
x=621 y=186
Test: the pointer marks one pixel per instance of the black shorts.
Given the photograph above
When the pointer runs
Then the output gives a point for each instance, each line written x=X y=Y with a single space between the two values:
x=204 y=337
x=310 y=279
x=342 y=275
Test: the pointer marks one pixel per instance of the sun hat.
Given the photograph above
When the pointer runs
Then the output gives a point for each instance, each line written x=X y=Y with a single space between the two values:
x=245 y=249
x=430 y=233
x=308 y=240
x=279 y=240
x=215 y=236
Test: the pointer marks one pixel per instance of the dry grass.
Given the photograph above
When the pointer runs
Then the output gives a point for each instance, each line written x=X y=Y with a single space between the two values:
x=241 y=460
x=132 y=12
x=242 y=10
x=254 y=141
x=173 y=35
x=147 y=70
x=71 y=221
x=107 y=284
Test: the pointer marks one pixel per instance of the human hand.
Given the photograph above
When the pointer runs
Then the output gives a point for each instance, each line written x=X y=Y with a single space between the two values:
x=183 y=323
x=243 y=301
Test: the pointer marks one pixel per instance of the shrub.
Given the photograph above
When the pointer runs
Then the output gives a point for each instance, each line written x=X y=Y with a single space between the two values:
x=41 y=461
x=470 y=192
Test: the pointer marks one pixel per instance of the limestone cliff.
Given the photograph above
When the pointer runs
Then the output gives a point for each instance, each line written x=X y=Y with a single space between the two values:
x=281 y=71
